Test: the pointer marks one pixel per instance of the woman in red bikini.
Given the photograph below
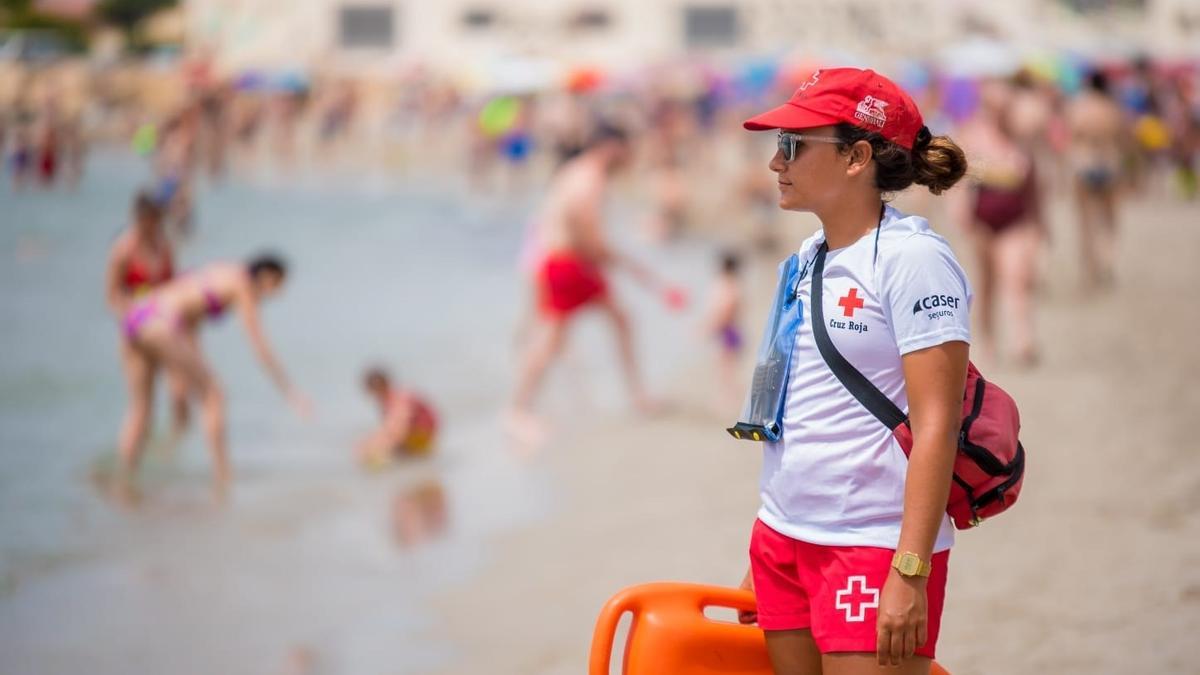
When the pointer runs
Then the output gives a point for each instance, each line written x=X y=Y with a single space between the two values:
x=1004 y=217
x=139 y=261
x=160 y=329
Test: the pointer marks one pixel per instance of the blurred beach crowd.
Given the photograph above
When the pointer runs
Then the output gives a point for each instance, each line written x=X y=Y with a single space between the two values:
x=1099 y=125
x=194 y=116
x=191 y=118
x=1065 y=138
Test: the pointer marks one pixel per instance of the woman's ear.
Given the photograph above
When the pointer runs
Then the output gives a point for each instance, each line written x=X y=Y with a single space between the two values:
x=858 y=158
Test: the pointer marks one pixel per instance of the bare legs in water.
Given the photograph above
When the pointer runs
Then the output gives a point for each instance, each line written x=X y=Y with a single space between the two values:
x=160 y=345
x=545 y=348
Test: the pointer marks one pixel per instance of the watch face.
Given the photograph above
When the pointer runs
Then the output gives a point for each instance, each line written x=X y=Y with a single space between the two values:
x=909 y=565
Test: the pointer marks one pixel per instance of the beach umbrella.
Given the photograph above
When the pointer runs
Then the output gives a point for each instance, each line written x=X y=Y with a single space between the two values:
x=499 y=115
x=250 y=80
x=516 y=76
x=793 y=74
x=756 y=77
x=145 y=139
x=291 y=81
x=960 y=97
x=913 y=76
x=1072 y=69
x=979 y=57
x=583 y=80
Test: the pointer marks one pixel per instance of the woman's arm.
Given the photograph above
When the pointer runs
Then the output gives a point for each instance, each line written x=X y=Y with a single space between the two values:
x=114 y=296
x=248 y=310
x=934 y=378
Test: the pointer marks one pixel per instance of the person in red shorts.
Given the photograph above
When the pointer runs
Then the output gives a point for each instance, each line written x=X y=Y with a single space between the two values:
x=569 y=255
x=849 y=554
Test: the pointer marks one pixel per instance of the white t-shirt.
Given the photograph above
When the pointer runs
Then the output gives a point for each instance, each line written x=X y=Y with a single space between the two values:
x=836 y=476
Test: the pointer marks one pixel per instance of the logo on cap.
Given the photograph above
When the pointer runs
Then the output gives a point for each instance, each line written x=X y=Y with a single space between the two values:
x=816 y=77
x=871 y=110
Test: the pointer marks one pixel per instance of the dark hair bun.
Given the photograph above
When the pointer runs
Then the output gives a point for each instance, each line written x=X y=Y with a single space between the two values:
x=938 y=163
x=922 y=139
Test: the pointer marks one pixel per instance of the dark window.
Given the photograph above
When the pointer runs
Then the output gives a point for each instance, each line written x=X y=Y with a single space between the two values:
x=710 y=26
x=1093 y=6
x=590 y=19
x=366 y=26
x=478 y=18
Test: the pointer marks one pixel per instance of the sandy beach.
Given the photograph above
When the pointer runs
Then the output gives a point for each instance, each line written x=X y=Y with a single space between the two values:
x=395 y=338
x=1096 y=570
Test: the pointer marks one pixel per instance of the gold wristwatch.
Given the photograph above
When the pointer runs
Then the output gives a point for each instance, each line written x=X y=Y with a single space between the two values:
x=911 y=565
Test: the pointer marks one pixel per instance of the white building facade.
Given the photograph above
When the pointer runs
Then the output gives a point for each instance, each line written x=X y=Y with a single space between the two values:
x=366 y=36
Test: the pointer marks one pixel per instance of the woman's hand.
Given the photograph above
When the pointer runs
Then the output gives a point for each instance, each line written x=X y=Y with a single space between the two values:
x=747 y=617
x=903 y=618
x=675 y=298
x=301 y=404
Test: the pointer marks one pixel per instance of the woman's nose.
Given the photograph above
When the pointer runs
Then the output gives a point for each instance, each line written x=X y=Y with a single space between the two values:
x=777 y=164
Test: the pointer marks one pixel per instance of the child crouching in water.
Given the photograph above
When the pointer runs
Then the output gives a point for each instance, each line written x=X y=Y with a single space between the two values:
x=409 y=425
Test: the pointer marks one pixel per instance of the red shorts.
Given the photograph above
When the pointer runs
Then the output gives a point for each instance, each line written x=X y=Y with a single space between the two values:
x=831 y=590
x=569 y=282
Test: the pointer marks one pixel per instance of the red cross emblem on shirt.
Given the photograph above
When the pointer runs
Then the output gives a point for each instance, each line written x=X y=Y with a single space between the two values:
x=856 y=601
x=851 y=302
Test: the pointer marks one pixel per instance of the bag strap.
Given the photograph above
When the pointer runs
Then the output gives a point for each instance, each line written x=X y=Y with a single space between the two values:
x=855 y=382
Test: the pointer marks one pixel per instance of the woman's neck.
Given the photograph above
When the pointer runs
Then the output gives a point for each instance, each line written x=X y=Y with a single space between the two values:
x=851 y=220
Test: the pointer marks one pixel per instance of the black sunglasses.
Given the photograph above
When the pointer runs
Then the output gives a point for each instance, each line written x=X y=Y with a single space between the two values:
x=789 y=141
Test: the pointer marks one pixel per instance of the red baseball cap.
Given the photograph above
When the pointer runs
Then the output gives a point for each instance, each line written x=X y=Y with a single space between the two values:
x=863 y=98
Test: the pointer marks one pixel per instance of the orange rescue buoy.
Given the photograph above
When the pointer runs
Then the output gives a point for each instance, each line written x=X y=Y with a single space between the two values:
x=671 y=634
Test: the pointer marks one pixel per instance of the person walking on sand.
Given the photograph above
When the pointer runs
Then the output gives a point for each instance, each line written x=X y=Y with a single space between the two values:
x=1005 y=217
x=161 y=328
x=174 y=167
x=574 y=254
x=139 y=261
x=1099 y=138
x=843 y=511
x=724 y=324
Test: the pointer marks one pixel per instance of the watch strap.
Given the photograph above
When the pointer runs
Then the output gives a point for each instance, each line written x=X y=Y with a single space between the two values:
x=902 y=564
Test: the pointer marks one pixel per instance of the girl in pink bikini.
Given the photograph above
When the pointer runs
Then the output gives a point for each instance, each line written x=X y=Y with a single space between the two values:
x=161 y=329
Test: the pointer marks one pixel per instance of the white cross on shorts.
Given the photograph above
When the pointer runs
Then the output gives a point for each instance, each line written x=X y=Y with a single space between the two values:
x=856 y=602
